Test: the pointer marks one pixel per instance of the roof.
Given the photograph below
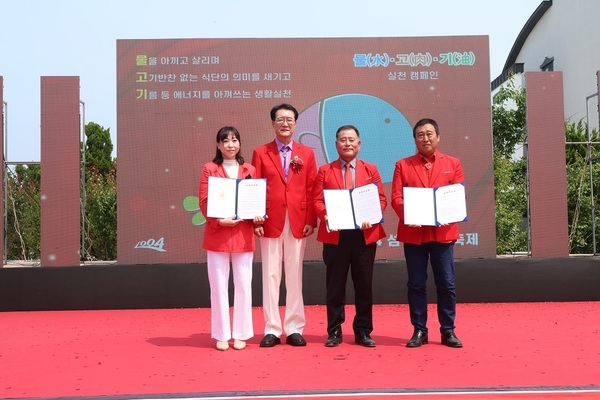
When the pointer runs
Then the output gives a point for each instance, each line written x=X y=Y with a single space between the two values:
x=509 y=65
x=524 y=34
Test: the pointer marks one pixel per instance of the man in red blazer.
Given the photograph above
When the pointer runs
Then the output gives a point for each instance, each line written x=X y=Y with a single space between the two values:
x=290 y=169
x=348 y=249
x=428 y=168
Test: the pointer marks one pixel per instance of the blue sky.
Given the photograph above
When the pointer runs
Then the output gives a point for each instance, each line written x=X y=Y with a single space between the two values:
x=78 y=38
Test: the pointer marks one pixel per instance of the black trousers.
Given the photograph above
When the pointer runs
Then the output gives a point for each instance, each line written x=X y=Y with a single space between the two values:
x=351 y=254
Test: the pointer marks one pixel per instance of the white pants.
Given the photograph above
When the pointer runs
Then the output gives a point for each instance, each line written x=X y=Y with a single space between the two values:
x=291 y=250
x=218 y=277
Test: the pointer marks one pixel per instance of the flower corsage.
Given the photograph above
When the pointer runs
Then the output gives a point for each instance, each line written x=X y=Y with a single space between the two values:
x=296 y=164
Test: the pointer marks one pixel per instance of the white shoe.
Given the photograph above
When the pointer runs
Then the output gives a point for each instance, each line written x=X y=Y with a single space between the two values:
x=239 y=344
x=222 y=345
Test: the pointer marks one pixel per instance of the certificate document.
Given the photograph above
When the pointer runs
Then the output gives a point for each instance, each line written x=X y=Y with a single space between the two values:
x=435 y=206
x=244 y=198
x=251 y=198
x=349 y=208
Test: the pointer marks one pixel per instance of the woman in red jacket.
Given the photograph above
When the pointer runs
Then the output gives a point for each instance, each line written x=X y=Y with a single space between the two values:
x=228 y=239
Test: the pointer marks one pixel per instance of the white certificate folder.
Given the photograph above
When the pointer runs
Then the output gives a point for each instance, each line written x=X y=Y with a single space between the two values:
x=435 y=206
x=349 y=208
x=244 y=198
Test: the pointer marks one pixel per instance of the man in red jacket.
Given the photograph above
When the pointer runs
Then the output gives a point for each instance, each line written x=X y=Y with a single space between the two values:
x=428 y=168
x=348 y=249
x=290 y=169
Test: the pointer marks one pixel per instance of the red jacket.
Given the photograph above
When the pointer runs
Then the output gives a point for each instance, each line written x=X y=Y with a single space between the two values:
x=230 y=239
x=447 y=170
x=293 y=195
x=330 y=176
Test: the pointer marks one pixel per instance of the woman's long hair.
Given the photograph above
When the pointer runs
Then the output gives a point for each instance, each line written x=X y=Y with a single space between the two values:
x=223 y=134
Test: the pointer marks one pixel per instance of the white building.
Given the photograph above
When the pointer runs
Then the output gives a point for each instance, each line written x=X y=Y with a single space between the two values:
x=562 y=35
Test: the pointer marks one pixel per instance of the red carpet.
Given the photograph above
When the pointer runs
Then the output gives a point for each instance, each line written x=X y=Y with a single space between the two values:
x=539 y=347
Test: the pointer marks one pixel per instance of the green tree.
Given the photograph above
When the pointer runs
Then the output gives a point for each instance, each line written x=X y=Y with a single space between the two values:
x=510 y=172
x=101 y=215
x=511 y=205
x=100 y=194
x=23 y=212
x=509 y=125
x=98 y=148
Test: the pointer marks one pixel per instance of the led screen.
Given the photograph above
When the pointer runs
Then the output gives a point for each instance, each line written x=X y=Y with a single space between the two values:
x=174 y=95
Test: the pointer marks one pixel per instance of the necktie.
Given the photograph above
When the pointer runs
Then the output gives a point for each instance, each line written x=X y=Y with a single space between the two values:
x=284 y=153
x=348 y=176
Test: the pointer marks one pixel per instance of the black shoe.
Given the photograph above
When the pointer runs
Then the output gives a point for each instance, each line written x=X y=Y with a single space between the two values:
x=364 y=339
x=295 y=339
x=418 y=338
x=270 y=340
x=449 y=339
x=334 y=339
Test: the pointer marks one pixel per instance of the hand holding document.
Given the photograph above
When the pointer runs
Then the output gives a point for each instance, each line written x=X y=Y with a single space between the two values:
x=349 y=208
x=435 y=206
x=245 y=198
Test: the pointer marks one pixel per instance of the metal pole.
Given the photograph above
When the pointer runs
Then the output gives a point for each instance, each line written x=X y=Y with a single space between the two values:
x=5 y=178
x=83 y=191
x=589 y=148
x=528 y=194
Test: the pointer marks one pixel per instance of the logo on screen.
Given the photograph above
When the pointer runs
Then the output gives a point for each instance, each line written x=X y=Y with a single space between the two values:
x=151 y=244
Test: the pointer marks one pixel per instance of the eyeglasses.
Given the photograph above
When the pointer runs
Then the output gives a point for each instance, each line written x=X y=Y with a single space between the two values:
x=289 y=121
x=422 y=136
